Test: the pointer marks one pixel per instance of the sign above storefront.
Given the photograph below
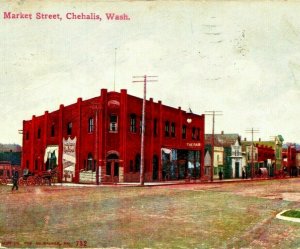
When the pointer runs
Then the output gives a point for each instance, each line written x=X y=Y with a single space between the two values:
x=193 y=144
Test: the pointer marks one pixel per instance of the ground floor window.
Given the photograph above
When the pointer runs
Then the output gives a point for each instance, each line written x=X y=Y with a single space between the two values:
x=89 y=162
x=155 y=167
x=137 y=162
x=180 y=164
x=108 y=168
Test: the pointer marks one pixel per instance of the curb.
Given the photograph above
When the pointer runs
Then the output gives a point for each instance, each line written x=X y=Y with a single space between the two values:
x=281 y=217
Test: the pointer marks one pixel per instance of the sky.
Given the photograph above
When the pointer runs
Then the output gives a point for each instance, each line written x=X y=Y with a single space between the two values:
x=241 y=58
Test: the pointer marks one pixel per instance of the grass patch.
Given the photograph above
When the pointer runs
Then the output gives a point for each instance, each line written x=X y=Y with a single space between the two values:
x=292 y=213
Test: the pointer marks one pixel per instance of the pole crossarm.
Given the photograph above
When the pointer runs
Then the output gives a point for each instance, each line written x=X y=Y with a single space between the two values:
x=143 y=79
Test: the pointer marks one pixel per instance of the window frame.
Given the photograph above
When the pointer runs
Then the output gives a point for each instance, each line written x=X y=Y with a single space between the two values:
x=167 y=129
x=39 y=133
x=173 y=129
x=69 y=128
x=91 y=125
x=183 y=132
x=52 y=132
x=155 y=127
x=113 y=126
x=132 y=123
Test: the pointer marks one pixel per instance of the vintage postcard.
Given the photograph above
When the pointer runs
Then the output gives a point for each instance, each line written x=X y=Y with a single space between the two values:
x=149 y=124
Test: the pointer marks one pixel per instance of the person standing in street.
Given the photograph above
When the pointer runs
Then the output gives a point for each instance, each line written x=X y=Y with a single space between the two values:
x=15 y=180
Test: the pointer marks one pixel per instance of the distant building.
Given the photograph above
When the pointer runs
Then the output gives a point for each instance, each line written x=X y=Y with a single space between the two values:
x=266 y=154
x=9 y=162
x=289 y=159
x=223 y=160
x=237 y=159
x=10 y=148
x=105 y=132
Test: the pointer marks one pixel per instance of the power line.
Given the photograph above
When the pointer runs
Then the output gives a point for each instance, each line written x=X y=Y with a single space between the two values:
x=213 y=114
x=143 y=79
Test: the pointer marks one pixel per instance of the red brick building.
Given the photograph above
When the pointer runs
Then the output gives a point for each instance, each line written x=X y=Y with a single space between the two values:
x=7 y=169
x=266 y=154
x=106 y=131
x=289 y=159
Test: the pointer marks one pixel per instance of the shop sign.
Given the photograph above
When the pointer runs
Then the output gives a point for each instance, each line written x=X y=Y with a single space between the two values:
x=69 y=158
x=193 y=144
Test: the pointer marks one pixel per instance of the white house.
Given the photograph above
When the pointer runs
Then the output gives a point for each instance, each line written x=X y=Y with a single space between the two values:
x=236 y=159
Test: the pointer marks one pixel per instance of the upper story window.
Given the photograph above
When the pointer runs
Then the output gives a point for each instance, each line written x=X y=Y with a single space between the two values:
x=183 y=132
x=197 y=133
x=27 y=135
x=91 y=125
x=133 y=123
x=167 y=129
x=36 y=164
x=141 y=125
x=155 y=127
x=113 y=123
x=173 y=129
x=69 y=128
x=193 y=133
x=52 y=130
x=39 y=133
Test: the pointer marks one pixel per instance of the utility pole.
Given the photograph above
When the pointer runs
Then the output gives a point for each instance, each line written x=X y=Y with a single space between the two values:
x=275 y=154
x=252 y=131
x=145 y=81
x=96 y=107
x=213 y=114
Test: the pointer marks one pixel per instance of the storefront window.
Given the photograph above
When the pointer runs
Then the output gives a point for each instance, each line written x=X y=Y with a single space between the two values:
x=137 y=163
x=89 y=162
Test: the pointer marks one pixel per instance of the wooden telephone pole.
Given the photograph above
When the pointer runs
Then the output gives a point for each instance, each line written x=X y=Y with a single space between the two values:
x=96 y=107
x=213 y=114
x=143 y=79
x=252 y=131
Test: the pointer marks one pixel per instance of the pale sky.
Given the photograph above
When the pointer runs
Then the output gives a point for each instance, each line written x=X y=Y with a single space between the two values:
x=241 y=58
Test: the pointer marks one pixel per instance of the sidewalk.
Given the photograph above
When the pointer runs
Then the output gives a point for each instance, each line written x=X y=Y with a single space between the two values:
x=153 y=184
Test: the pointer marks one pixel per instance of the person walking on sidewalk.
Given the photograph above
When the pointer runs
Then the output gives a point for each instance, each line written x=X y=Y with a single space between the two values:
x=15 y=180
x=220 y=175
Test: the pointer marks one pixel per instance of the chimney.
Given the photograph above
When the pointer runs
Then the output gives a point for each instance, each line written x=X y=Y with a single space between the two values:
x=259 y=139
x=245 y=139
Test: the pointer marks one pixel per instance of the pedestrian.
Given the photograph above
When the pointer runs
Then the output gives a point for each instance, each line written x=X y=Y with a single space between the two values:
x=220 y=174
x=15 y=180
x=243 y=174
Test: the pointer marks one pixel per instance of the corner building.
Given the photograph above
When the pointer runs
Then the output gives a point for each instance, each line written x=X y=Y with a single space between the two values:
x=105 y=132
